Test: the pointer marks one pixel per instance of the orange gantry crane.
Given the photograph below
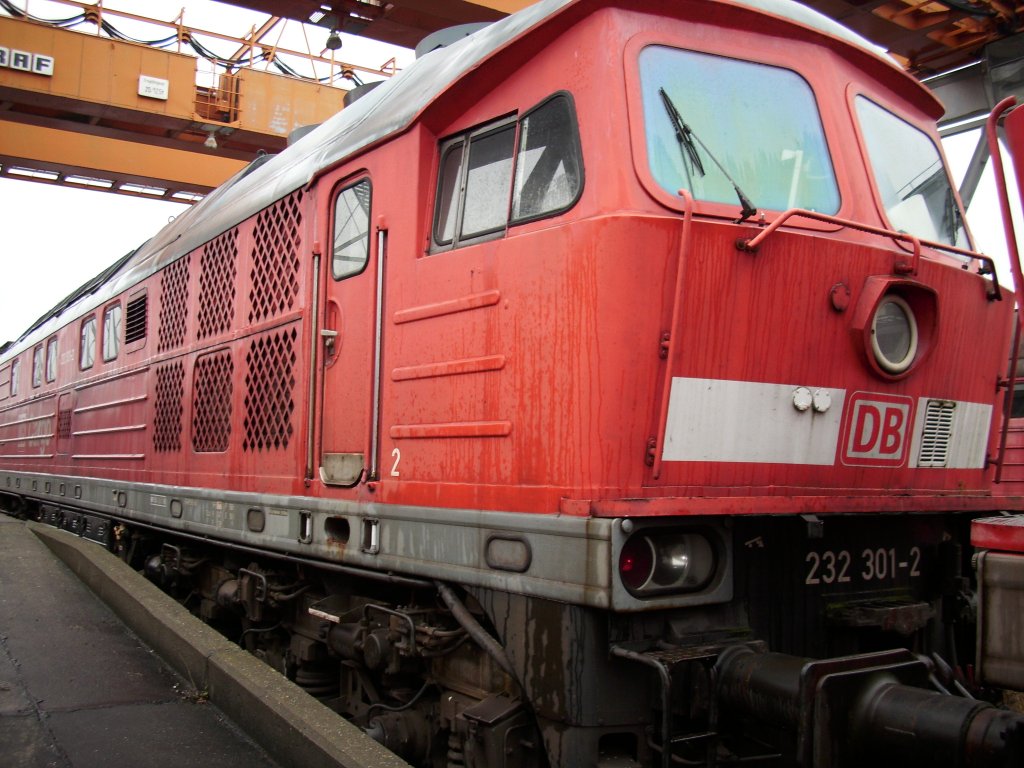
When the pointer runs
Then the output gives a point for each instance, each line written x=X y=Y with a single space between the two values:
x=114 y=114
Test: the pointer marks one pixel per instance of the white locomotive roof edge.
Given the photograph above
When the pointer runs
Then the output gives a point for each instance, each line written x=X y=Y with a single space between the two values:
x=384 y=111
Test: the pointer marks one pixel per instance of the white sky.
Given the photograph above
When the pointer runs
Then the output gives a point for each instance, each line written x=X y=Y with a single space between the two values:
x=53 y=239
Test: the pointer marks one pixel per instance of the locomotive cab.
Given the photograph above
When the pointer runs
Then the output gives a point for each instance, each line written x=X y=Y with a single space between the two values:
x=615 y=387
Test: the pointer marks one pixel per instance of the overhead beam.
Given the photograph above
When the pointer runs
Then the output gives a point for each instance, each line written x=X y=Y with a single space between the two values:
x=86 y=156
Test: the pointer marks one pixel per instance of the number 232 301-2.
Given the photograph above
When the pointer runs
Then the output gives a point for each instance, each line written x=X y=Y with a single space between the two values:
x=872 y=564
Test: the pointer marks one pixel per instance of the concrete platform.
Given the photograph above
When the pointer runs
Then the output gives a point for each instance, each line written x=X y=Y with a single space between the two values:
x=77 y=688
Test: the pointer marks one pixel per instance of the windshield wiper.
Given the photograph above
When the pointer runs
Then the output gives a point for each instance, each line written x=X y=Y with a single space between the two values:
x=685 y=136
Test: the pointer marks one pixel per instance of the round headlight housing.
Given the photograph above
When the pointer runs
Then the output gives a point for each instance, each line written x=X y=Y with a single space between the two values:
x=894 y=334
x=656 y=562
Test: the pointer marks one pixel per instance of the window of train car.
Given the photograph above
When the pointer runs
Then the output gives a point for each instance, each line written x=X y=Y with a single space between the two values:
x=758 y=122
x=111 y=332
x=37 y=366
x=87 y=350
x=488 y=173
x=549 y=168
x=51 y=359
x=508 y=172
x=15 y=370
x=352 y=230
x=910 y=177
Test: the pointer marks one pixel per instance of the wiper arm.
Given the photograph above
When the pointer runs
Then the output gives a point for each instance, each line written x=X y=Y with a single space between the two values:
x=686 y=137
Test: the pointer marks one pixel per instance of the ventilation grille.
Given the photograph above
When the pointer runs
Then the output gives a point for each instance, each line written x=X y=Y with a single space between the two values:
x=135 y=319
x=170 y=390
x=64 y=423
x=173 y=304
x=270 y=388
x=211 y=404
x=275 y=259
x=217 y=285
x=938 y=431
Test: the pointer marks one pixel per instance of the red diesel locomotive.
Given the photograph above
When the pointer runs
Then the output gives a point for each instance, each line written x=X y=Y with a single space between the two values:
x=616 y=386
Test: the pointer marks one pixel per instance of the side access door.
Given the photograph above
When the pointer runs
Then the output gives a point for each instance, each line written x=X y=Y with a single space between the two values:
x=348 y=337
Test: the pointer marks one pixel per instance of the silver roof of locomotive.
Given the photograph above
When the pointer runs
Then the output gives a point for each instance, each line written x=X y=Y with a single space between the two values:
x=384 y=111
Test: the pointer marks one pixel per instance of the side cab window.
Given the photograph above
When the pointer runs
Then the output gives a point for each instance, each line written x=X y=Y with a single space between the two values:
x=37 y=366
x=111 y=332
x=51 y=359
x=508 y=172
x=15 y=375
x=87 y=349
x=351 y=230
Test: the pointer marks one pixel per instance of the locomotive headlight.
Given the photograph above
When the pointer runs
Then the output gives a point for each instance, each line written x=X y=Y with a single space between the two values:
x=894 y=334
x=657 y=561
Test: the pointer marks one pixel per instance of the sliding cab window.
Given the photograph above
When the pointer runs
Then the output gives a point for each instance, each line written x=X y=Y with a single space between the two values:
x=508 y=172
x=87 y=348
x=713 y=124
x=15 y=373
x=351 y=230
x=51 y=359
x=910 y=177
x=112 y=322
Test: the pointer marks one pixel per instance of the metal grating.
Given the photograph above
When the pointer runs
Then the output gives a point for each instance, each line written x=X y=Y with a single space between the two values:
x=64 y=424
x=937 y=434
x=135 y=319
x=275 y=259
x=170 y=390
x=270 y=388
x=211 y=402
x=173 y=304
x=217 y=285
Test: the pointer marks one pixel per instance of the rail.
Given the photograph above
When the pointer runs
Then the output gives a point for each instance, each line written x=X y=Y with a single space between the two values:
x=751 y=244
x=992 y=134
x=667 y=340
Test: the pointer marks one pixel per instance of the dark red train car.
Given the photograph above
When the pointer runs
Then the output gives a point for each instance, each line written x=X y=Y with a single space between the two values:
x=614 y=387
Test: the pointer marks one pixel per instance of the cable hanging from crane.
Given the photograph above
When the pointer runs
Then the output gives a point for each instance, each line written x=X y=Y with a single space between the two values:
x=164 y=43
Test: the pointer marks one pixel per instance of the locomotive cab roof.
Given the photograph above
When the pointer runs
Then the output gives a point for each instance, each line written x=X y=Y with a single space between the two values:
x=386 y=112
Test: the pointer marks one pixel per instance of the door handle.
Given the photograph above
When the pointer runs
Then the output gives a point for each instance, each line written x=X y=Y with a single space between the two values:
x=329 y=338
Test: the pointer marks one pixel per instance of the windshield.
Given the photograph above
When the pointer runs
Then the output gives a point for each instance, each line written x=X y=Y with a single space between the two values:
x=911 y=178
x=754 y=123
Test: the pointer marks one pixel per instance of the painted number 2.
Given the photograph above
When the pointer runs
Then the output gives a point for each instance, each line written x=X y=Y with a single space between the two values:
x=397 y=456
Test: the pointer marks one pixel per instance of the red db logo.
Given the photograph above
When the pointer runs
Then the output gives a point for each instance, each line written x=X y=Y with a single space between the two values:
x=875 y=429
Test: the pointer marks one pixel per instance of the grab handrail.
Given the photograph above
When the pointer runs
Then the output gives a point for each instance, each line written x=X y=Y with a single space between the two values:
x=751 y=244
x=668 y=340
x=994 y=150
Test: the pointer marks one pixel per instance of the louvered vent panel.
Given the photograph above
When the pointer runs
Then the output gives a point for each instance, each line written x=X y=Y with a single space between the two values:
x=275 y=259
x=938 y=431
x=135 y=319
x=270 y=391
x=173 y=304
x=217 y=285
x=211 y=402
x=170 y=391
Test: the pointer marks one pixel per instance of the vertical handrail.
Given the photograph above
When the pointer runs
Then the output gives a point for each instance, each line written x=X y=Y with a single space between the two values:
x=991 y=130
x=668 y=344
x=1009 y=232
x=377 y=356
x=314 y=333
